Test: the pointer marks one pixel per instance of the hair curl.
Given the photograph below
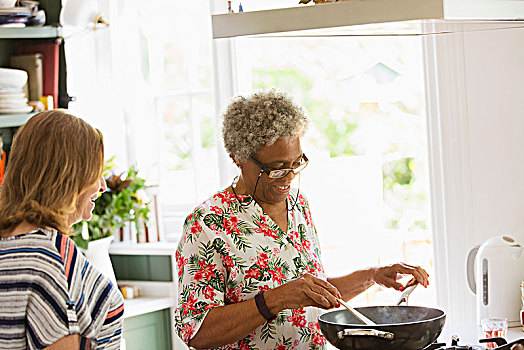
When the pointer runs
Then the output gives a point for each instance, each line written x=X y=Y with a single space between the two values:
x=54 y=157
x=259 y=120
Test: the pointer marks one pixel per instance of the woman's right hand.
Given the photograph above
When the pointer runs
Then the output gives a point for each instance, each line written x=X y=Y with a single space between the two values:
x=307 y=290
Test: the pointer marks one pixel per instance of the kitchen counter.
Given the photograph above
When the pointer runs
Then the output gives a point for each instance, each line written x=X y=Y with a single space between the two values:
x=515 y=333
x=144 y=305
x=471 y=335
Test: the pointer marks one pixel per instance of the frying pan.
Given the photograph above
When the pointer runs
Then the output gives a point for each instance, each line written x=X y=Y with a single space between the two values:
x=398 y=328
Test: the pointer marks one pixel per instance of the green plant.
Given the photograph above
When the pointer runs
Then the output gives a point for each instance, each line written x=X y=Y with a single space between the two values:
x=115 y=207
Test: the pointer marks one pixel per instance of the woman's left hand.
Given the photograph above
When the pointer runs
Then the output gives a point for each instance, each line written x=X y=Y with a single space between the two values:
x=387 y=276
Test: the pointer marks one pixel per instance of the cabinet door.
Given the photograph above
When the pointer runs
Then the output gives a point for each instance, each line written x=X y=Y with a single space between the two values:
x=148 y=332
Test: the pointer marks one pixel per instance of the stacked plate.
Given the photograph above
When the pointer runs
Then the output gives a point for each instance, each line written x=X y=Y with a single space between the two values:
x=14 y=16
x=12 y=97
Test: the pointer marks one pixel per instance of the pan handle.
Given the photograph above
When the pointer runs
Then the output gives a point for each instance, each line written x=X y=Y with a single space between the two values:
x=369 y=332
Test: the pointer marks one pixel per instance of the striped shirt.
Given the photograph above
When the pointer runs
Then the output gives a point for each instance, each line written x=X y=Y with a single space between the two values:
x=49 y=290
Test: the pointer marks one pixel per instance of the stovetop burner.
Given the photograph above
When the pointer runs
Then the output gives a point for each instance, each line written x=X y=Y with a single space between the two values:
x=453 y=346
x=502 y=344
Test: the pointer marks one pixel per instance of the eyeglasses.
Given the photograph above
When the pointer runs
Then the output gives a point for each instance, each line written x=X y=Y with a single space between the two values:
x=280 y=173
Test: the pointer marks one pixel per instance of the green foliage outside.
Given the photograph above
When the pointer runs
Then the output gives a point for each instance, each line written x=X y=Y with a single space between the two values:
x=336 y=133
x=179 y=140
x=398 y=172
x=401 y=194
x=116 y=207
x=207 y=130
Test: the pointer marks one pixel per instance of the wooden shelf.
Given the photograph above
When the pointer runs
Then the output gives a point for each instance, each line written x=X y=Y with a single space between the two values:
x=31 y=32
x=14 y=120
x=329 y=15
x=309 y=19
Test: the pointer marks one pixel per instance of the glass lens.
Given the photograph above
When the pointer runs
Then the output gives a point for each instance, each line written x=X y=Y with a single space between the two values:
x=300 y=167
x=277 y=174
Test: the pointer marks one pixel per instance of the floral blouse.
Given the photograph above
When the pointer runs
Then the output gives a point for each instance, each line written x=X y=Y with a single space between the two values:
x=231 y=250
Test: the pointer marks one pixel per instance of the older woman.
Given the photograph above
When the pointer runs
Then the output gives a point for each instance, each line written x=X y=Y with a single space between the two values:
x=250 y=275
x=50 y=296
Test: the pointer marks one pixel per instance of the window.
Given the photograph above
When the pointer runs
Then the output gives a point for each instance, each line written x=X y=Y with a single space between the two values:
x=163 y=50
x=368 y=177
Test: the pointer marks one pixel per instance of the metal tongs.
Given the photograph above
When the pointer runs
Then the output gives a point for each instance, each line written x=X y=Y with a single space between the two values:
x=405 y=295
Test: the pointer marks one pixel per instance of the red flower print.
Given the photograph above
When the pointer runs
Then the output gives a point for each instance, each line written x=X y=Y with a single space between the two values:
x=230 y=225
x=262 y=260
x=224 y=197
x=181 y=262
x=306 y=244
x=198 y=275
x=217 y=210
x=210 y=306
x=266 y=231
x=308 y=217
x=246 y=253
x=252 y=273
x=277 y=275
x=301 y=199
x=196 y=227
x=188 y=305
x=228 y=261
x=209 y=292
x=263 y=288
x=234 y=295
x=187 y=331
x=318 y=267
x=297 y=318
x=207 y=271
x=298 y=247
x=318 y=339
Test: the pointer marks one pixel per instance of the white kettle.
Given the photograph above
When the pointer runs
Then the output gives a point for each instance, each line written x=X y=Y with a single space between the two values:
x=494 y=271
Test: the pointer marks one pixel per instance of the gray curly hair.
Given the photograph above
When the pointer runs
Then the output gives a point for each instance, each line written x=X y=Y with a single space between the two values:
x=259 y=120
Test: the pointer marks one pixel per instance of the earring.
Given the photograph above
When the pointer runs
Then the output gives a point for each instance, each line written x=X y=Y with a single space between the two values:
x=235 y=181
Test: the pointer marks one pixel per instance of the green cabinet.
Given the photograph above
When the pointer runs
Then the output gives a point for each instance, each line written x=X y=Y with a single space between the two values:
x=149 y=331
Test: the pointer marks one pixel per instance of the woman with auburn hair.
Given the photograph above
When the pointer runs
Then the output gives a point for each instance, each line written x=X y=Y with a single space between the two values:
x=50 y=295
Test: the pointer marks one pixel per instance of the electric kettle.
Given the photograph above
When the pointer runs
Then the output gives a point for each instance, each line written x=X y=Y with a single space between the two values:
x=494 y=272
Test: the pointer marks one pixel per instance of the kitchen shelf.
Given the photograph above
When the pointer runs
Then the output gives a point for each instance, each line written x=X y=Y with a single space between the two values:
x=31 y=32
x=153 y=248
x=358 y=12
x=14 y=120
x=143 y=305
x=329 y=15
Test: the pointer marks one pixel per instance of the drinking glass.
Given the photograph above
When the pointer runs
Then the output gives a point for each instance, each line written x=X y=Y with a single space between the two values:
x=494 y=328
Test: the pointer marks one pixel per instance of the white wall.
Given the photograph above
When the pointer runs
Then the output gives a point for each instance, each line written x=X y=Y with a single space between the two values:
x=476 y=124
x=495 y=98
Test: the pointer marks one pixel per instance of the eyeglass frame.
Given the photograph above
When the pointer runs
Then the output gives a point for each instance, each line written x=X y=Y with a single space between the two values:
x=287 y=171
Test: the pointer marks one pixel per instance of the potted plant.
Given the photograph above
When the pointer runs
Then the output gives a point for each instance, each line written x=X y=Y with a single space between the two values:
x=114 y=209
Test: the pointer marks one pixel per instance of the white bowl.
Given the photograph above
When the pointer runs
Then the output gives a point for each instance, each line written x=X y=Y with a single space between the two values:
x=12 y=78
x=7 y=3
